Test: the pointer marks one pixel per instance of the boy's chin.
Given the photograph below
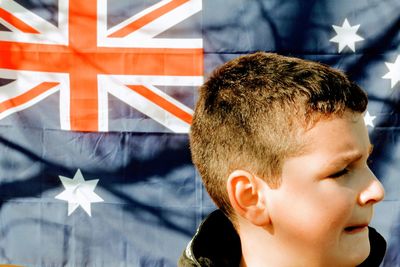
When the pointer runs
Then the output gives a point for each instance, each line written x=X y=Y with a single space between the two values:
x=357 y=247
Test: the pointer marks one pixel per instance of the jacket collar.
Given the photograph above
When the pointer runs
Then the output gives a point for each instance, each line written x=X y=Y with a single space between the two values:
x=216 y=243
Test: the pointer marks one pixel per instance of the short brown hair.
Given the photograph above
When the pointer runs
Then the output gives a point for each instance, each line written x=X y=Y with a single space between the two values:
x=250 y=110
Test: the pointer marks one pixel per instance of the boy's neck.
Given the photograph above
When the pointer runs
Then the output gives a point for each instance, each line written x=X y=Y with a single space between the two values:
x=260 y=249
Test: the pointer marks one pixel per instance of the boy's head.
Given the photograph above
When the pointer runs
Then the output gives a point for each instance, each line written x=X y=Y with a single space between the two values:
x=281 y=142
x=252 y=110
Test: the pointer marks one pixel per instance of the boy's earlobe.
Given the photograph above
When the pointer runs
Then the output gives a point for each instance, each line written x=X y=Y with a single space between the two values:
x=245 y=192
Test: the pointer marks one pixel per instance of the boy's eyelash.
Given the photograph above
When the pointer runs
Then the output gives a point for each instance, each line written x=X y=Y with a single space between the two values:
x=339 y=174
x=346 y=170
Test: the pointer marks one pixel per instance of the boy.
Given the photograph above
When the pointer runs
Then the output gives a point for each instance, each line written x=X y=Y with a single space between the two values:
x=282 y=149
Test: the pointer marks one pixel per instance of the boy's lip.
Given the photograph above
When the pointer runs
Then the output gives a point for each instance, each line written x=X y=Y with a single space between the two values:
x=355 y=228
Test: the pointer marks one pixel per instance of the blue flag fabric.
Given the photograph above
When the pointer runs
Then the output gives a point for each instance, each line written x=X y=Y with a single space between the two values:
x=126 y=193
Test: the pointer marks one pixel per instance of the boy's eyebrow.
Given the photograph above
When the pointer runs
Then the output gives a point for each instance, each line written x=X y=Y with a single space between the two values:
x=352 y=156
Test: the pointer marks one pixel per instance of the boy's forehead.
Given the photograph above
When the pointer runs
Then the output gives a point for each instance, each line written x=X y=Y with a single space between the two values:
x=342 y=133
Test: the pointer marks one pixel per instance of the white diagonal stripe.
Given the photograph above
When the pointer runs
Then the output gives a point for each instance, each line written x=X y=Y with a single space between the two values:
x=48 y=33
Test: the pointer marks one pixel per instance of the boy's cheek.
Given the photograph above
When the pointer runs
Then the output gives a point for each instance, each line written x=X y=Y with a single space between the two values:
x=312 y=215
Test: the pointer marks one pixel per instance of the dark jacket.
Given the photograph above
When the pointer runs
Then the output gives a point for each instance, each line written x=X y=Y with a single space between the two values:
x=217 y=244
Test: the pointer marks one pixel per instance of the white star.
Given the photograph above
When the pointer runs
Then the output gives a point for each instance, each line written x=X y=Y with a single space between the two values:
x=79 y=192
x=368 y=119
x=346 y=35
x=394 y=72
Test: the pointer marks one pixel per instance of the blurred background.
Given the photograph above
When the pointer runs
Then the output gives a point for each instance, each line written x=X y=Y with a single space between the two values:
x=96 y=99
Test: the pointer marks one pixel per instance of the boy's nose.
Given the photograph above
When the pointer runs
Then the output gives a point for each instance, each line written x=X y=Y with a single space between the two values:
x=373 y=192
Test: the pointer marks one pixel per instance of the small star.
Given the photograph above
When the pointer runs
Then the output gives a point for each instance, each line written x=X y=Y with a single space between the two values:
x=79 y=192
x=346 y=36
x=368 y=119
x=394 y=72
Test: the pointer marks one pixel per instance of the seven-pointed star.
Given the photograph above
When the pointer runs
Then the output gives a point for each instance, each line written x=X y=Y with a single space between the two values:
x=346 y=35
x=368 y=119
x=394 y=72
x=79 y=192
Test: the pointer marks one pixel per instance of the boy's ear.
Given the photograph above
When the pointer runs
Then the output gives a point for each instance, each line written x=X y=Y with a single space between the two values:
x=245 y=192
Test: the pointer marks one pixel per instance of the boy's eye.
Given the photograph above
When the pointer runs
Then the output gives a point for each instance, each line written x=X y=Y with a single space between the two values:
x=339 y=174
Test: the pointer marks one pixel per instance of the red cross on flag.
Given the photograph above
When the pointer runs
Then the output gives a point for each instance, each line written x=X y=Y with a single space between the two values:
x=86 y=61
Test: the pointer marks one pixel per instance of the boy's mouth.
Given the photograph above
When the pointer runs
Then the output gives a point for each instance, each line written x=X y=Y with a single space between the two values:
x=355 y=228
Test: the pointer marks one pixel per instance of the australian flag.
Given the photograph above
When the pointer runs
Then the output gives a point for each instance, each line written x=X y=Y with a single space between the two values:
x=97 y=97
